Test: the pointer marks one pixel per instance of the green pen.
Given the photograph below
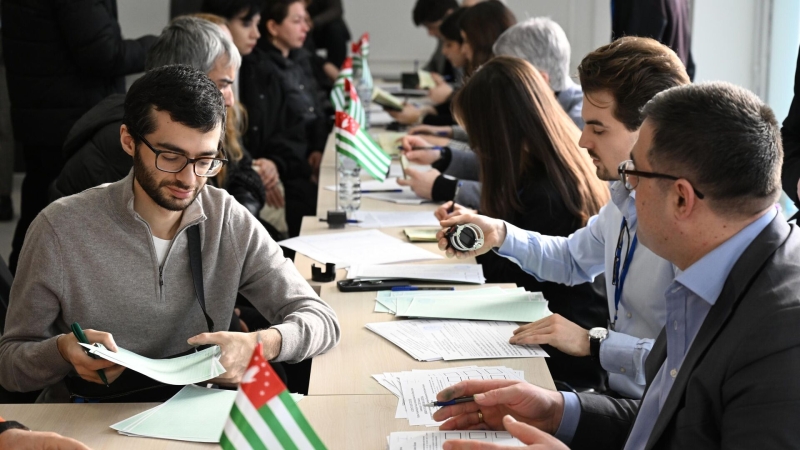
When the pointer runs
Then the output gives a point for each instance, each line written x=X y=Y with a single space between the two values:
x=78 y=332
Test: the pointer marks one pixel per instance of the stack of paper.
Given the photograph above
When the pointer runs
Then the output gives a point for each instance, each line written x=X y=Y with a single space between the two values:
x=389 y=219
x=368 y=247
x=192 y=368
x=194 y=414
x=386 y=301
x=492 y=303
x=434 y=340
x=445 y=273
x=414 y=389
x=433 y=440
x=405 y=197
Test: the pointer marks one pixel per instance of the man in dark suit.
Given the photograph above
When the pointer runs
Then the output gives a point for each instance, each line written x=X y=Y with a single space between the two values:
x=725 y=371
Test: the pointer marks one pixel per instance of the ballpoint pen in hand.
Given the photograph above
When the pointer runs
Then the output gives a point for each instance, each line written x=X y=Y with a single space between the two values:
x=78 y=332
x=455 y=194
x=451 y=402
x=430 y=147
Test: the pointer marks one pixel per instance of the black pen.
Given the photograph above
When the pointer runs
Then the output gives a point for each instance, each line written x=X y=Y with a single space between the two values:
x=451 y=402
x=348 y=220
x=432 y=147
x=455 y=194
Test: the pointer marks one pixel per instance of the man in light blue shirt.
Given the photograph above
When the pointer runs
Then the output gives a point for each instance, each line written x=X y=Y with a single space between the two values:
x=609 y=76
x=724 y=371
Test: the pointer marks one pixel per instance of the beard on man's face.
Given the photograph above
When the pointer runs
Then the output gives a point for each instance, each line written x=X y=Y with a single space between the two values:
x=602 y=172
x=154 y=189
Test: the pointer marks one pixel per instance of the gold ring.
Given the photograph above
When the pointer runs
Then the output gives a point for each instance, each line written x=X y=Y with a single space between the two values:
x=480 y=416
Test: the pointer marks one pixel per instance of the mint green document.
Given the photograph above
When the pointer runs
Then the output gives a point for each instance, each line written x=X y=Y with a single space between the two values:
x=192 y=368
x=510 y=307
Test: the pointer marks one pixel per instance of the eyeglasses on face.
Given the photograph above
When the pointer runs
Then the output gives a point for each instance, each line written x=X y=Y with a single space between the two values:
x=630 y=177
x=173 y=162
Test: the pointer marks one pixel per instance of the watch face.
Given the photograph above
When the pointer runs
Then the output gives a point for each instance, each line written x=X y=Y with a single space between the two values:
x=598 y=333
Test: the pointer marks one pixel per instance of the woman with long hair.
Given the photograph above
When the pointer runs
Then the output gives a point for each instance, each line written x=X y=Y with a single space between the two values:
x=536 y=177
x=481 y=25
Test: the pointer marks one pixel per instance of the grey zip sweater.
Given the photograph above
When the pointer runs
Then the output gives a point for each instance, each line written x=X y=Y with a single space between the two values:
x=89 y=258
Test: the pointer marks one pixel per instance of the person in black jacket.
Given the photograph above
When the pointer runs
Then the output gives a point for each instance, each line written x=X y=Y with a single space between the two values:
x=276 y=134
x=536 y=177
x=790 y=132
x=667 y=21
x=329 y=29
x=62 y=58
x=93 y=148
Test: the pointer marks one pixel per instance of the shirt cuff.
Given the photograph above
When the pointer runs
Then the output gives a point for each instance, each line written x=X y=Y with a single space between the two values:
x=570 y=419
x=444 y=189
x=616 y=353
x=515 y=245
x=446 y=155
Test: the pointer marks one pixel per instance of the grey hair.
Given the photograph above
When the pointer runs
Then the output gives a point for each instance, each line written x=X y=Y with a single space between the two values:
x=543 y=43
x=193 y=42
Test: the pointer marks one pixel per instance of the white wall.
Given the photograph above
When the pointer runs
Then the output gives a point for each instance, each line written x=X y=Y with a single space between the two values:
x=783 y=55
x=395 y=43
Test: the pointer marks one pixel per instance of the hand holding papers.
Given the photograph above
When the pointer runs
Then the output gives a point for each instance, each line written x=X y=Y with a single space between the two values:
x=192 y=368
x=417 y=389
x=368 y=247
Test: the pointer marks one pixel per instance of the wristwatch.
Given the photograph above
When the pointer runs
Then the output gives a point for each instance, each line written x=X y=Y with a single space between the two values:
x=596 y=336
x=11 y=425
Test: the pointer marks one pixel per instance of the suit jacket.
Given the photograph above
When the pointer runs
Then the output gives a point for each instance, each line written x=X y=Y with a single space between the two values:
x=791 y=142
x=739 y=385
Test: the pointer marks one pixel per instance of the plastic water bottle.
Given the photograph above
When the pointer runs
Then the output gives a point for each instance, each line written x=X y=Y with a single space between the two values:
x=349 y=184
x=364 y=89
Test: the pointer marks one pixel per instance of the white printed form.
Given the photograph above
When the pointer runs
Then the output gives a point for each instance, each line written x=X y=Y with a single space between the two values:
x=433 y=440
x=464 y=339
x=419 y=389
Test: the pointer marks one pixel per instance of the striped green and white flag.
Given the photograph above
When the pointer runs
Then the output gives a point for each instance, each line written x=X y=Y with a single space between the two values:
x=264 y=415
x=360 y=58
x=352 y=141
x=355 y=108
x=338 y=93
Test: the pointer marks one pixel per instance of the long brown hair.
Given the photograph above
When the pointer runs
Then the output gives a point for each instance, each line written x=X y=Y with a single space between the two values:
x=483 y=24
x=517 y=128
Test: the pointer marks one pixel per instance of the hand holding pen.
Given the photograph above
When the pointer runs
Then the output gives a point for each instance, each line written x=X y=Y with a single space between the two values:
x=420 y=151
x=86 y=365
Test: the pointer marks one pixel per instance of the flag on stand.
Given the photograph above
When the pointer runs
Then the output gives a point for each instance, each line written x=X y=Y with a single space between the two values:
x=264 y=415
x=354 y=107
x=338 y=93
x=360 y=57
x=352 y=141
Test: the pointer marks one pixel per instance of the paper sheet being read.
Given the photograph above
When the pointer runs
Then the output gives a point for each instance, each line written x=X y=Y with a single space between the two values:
x=433 y=440
x=192 y=368
x=365 y=247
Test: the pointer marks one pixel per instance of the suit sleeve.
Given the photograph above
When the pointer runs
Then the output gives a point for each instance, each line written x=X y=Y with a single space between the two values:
x=791 y=142
x=95 y=41
x=604 y=422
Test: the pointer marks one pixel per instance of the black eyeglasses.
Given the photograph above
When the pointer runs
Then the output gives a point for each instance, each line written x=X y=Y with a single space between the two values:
x=172 y=162
x=630 y=177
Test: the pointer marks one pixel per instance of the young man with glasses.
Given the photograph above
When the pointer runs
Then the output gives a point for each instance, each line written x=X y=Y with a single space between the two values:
x=617 y=80
x=116 y=258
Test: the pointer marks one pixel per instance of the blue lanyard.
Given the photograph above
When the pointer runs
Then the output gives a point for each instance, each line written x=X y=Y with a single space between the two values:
x=620 y=273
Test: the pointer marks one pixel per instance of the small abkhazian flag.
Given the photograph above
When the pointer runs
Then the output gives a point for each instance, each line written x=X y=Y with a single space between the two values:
x=352 y=141
x=264 y=415
x=338 y=93
x=360 y=57
x=354 y=107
